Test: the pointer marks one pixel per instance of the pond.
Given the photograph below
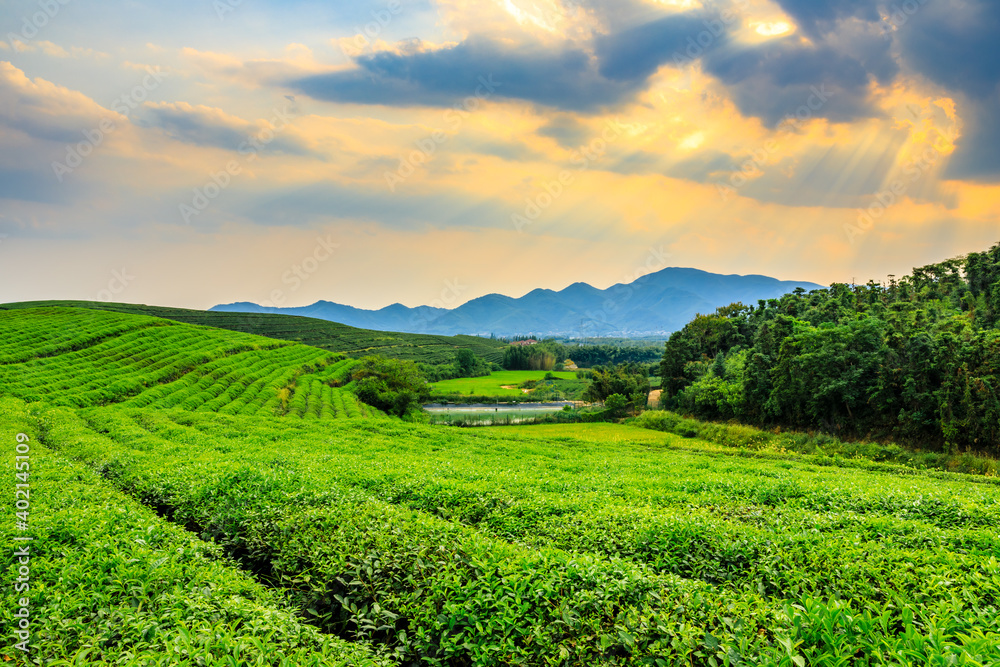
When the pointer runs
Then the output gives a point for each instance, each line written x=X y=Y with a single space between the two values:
x=484 y=408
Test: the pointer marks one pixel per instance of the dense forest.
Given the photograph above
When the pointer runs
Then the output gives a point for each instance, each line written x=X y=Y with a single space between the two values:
x=547 y=354
x=915 y=360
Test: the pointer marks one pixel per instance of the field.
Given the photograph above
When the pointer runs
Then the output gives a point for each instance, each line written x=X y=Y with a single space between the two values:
x=166 y=532
x=330 y=336
x=98 y=358
x=503 y=383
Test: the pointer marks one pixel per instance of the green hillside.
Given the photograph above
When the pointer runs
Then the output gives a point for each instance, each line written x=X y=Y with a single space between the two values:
x=329 y=336
x=78 y=358
x=194 y=501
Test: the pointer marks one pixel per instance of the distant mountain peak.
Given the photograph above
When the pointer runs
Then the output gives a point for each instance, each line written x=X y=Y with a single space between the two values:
x=655 y=304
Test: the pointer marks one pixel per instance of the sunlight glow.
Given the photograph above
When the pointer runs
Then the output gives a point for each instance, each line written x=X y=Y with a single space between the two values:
x=772 y=29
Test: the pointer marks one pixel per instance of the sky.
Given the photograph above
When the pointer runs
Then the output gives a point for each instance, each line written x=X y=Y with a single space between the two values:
x=369 y=152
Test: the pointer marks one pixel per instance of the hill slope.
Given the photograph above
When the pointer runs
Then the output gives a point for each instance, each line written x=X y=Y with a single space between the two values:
x=654 y=304
x=320 y=333
x=79 y=357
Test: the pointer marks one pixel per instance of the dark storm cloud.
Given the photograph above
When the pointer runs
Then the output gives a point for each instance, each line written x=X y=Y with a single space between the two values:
x=636 y=53
x=956 y=44
x=977 y=153
x=563 y=78
x=819 y=16
x=776 y=79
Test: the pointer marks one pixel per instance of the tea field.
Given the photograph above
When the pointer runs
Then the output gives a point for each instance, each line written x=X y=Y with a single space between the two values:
x=257 y=532
x=78 y=357
x=330 y=336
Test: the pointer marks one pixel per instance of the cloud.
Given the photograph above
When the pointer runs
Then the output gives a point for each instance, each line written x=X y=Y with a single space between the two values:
x=634 y=54
x=298 y=62
x=566 y=130
x=43 y=110
x=565 y=78
x=208 y=126
x=34 y=183
x=977 y=153
x=817 y=17
x=768 y=80
x=954 y=44
x=51 y=49
x=703 y=166
x=776 y=79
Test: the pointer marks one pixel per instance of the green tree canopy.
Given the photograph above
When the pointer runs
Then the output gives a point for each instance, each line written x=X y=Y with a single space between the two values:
x=394 y=386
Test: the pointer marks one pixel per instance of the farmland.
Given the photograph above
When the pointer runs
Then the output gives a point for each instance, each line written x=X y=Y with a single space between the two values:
x=112 y=582
x=260 y=531
x=102 y=358
x=506 y=384
x=330 y=336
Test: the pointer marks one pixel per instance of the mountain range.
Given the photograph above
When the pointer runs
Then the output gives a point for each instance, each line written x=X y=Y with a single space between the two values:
x=655 y=304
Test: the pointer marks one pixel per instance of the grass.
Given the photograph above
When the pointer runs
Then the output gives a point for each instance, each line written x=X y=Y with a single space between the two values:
x=823 y=446
x=504 y=384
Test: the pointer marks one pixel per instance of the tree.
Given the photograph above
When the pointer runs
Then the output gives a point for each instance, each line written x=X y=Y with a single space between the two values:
x=616 y=404
x=627 y=380
x=468 y=365
x=914 y=359
x=394 y=386
x=536 y=357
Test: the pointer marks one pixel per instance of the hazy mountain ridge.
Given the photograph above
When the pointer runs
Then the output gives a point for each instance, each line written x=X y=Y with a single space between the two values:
x=654 y=304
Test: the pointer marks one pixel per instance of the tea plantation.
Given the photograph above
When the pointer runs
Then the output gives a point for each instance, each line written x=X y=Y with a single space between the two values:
x=78 y=357
x=331 y=336
x=182 y=513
